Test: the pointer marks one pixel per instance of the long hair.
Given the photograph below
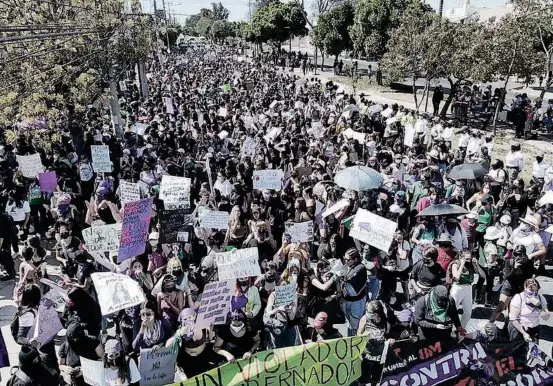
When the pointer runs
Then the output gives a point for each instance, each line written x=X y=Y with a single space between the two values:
x=123 y=369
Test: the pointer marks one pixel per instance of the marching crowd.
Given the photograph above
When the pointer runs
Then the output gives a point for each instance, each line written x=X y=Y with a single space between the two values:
x=468 y=231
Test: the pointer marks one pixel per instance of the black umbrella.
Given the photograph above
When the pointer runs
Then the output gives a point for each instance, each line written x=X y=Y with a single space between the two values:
x=468 y=171
x=443 y=210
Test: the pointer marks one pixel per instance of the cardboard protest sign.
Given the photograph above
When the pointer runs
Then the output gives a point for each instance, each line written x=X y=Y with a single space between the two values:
x=157 y=368
x=326 y=363
x=238 y=263
x=343 y=203
x=248 y=147
x=285 y=294
x=93 y=372
x=30 y=165
x=48 y=322
x=268 y=179
x=128 y=192
x=215 y=303
x=373 y=230
x=116 y=291
x=48 y=182
x=139 y=128
x=409 y=135
x=101 y=162
x=175 y=192
x=104 y=238
x=135 y=229
x=169 y=105
x=299 y=232
x=214 y=219
x=170 y=222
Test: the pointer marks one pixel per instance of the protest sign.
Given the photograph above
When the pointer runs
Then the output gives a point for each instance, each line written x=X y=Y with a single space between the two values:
x=104 y=238
x=101 y=259
x=157 y=367
x=304 y=171
x=101 y=162
x=343 y=203
x=93 y=372
x=135 y=229
x=170 y=223
x=327 y=363
x=299 y=232
x=182 y=237
x=48 y=322
x=215 y=303
x=267 y=179
x=48 y=182
x=238 y=263
x=139 y=128
x=116 y=291
x=128 y=192
x=285 y=294
x=214 y=219
x=350 y=134
x=373 y=229
x=409 y=136
x=169 y=105
x=248 y=147
x=57 y=294
x=30 y=165
x=175 y=192
x=4 y=356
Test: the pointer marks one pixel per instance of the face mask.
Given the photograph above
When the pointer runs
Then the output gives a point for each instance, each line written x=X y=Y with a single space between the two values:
x=294 y=277
x=524 y=227
x=177 y=273
x=428 y=262
x=64 y=235
x=153 y=243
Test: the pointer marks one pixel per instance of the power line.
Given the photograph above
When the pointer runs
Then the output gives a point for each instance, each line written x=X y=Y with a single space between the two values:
x=15 y=39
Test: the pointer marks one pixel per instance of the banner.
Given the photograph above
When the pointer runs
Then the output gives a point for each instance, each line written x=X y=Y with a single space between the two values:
x=170 y=222
x=30 y=165
x=116 y=291
x=135 y=229
x=285 y=294
x=128 y=192
x=175 y=192
x=373 y=230
x=157 y=368
x=334 y=362
x=299 y=232
x=268 y=179
x=212 y=219
x=93 y=372
x=48 y=322
x=48 y=182
x=101 y=162
x=238 y=263
x=104 y=238
x=215 y=304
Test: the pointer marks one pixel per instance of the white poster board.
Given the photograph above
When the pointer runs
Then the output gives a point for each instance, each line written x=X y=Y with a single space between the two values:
x=268 y=179
x=175 y=191
x=300 y=232
x=93 y=372
x=214 y=219
x=116 y=291
x=104 y=238
x=285 y=294
x=409 y=134
x=169 y=105
x=238 y=263
x=101 y=162
x=139 y=128
x=343 y=203
x=128 y=191
x=30 y=165
x=248 y=147
x=373 y=229
x=215 y=303
x=157 y=368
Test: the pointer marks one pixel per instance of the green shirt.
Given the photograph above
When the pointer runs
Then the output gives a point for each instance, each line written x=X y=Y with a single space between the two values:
x=417 y=191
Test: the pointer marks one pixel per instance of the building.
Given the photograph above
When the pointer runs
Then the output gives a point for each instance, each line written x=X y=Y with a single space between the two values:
x=481 y=14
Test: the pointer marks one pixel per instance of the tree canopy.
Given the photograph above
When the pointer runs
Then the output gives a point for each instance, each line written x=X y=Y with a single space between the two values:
x=277 y=22
x=332 y=30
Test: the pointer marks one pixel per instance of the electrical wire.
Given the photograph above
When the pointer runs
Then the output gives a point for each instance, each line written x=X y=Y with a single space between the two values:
x=16 y=39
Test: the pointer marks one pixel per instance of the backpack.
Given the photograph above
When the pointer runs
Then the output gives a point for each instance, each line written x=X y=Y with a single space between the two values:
x=14 y=326
x=19 y=374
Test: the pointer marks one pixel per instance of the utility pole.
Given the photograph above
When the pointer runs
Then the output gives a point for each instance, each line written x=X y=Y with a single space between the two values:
x=116 y=120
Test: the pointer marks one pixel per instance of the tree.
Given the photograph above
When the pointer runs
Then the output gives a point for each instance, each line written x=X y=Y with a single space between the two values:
x=332 y=30
x=319 y=7
x=277 y=22
x=220 y=30
x=219 y=11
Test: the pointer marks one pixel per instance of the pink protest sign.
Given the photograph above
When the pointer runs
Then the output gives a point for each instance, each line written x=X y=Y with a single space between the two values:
x=48 y=181
x=135 y=230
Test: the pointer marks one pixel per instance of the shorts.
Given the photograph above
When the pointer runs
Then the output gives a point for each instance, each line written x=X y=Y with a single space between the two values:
x=508 y=290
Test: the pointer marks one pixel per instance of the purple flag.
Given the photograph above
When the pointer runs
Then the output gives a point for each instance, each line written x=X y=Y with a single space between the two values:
x=4 y=357
x=135 y=229
x=48 y=182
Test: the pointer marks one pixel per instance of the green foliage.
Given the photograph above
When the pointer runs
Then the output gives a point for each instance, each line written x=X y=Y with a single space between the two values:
x=277 y=22
x=201 y=24
x=332 y=30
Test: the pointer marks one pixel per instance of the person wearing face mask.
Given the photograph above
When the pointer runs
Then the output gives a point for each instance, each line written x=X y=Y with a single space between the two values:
x=267 y=281
x=170 y=300
x=157 y=262
x=436 y=315
x=422 y=236
x=262 y=238
x=33 y=371
x=118 y=368
x=456 y=233
x=426 y=274
x=154 y=329
x=418 y=190
x=354 y=289
x=496 y=177
x=247 y=299
x=31 y=270
x=322 y=293
x=235 y=340
x=526 y=234
x=66 y=248
x=144 y=279
x=469 y=225
x=525 y=311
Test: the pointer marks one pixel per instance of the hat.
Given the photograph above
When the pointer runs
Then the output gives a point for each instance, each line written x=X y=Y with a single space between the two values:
x=444 y=238
x=505 y=219
x=294 y=263
x=320 y=320
x=112 y=347
x=434 y=154
x=27 y=355
x=492 y=233
x=472 y=215
x=153 y=236
x=185 y=313
x=532 y=219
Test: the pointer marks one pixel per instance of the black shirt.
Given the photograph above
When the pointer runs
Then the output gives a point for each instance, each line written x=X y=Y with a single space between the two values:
x=428 y=276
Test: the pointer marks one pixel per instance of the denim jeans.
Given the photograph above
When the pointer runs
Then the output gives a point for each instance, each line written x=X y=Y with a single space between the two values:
x=354 y=311
x=373 y=286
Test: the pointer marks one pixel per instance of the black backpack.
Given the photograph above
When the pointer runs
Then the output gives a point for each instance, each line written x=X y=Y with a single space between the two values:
x=14 y=326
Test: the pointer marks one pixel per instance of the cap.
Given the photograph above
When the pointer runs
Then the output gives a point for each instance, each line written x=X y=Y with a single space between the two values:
x=112 y=347
x=320 y=320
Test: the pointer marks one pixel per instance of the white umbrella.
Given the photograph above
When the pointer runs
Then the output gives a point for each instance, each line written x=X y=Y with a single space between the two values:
x=546 y=199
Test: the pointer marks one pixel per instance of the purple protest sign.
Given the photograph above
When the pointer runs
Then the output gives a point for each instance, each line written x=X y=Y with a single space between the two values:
x=48 y=181
x=4 y=357
x=136 y=226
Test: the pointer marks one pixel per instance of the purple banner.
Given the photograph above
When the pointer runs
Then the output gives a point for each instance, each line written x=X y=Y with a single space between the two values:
x=48 y=182
x=135 y=229
x=4 y=357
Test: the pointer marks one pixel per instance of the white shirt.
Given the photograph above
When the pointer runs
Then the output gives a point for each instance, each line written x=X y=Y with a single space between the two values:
x=539 y=169
x=447 y=134
x=464 y=140
x=112 y=375
x=530 y=240
x=511 y=160
x=420 y=126
x=520 y=159
x=18 y=214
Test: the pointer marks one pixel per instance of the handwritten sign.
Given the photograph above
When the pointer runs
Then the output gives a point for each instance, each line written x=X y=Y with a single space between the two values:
x=104 y=238
x=373 y=230
x=93 y=372
x=343 y=203
x=135 y=230
x=116 y=291
x=48 y=181
x=268 y=179
x=169 y=105
x=301 y=232
x=248 y=147
x=285 y=294
x=30 y=165
x=170 y=222
x=214 y=219
x=215 y=303
x=48 y=321
x=101 y=162
x=409 y=136
x=139 y=128
x=238 y=263
x=157 y=368
x=175 y=192
x=128 y=192
x=57 y=294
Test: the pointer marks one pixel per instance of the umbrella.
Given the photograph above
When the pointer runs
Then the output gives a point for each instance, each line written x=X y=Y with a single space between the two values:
x=359 y=178
x=468 y=171
x=443 y=210
x=546 y=199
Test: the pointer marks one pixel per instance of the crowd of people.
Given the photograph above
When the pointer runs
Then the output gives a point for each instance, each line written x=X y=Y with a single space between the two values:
x=470 y=232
